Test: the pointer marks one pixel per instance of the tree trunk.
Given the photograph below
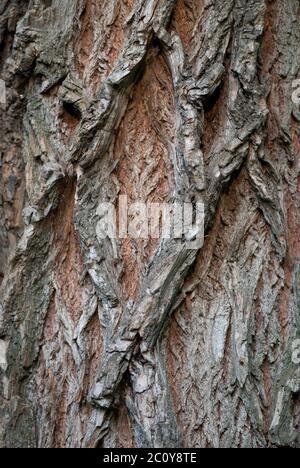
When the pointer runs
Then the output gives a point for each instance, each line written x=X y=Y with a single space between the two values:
x=135 y=342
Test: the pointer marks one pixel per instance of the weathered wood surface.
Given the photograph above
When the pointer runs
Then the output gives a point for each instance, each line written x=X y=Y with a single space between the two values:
x=162 y=100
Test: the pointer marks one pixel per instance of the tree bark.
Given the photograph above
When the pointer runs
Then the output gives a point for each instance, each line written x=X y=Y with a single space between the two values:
x=137 y=343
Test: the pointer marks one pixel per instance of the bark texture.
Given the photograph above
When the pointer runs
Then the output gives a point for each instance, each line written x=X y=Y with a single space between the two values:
x=161 y=100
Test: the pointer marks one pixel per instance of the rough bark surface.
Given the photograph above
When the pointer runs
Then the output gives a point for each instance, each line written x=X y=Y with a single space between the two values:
x=163 y=346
